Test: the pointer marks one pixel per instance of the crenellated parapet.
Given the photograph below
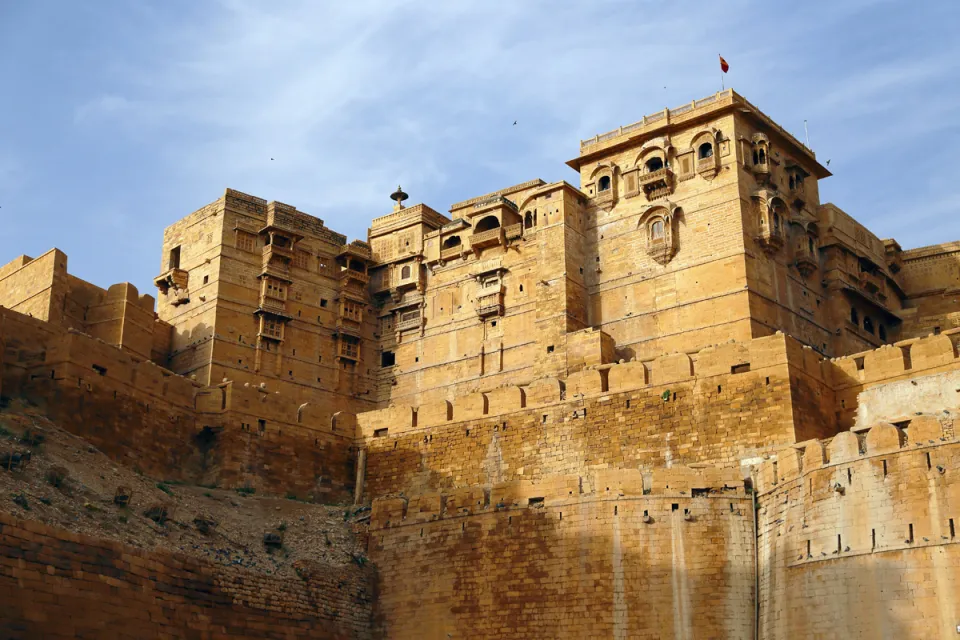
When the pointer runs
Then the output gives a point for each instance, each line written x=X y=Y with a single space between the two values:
x=684 y=486
x=882 y=489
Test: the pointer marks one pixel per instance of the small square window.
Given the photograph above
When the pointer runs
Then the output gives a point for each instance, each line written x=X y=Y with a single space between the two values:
x=550 y=349
x=323 y=302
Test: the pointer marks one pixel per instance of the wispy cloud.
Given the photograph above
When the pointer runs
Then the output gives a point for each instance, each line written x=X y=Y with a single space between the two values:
x=327 y=106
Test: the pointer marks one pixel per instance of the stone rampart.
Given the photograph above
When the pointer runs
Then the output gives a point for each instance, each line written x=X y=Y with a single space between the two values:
x=171 y=427
x=612 y=554
x=727 y=403
x=862 y=523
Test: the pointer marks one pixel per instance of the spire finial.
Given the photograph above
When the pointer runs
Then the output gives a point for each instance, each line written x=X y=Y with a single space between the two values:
x=398 y=196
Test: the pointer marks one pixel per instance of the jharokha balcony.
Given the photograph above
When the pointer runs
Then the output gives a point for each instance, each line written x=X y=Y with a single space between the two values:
x=451 y=253
x=410 y=320
x=489 y=238
x=872 y=282
x=490 y=304
x=175 y=278
x=657 y=184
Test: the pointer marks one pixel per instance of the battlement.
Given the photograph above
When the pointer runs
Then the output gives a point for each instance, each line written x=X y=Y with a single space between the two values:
x=794 y=462
x=721 y=360
x=612 y=484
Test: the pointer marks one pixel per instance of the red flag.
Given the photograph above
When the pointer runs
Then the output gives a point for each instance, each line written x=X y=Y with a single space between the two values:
x=723 y=65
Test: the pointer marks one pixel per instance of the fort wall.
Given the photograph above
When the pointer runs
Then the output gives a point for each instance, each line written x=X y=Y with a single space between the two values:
x=57 y=584
x=857 y=535
x=730 y=402
x=171 y=427
x=606 y=555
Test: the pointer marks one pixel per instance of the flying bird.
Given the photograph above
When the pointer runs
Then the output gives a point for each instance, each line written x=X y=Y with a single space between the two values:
x=828 y=163
x=514 y=123
x=271 y=158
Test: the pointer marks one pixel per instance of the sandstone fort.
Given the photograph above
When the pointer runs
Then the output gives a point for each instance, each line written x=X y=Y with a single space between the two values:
x=675 y=397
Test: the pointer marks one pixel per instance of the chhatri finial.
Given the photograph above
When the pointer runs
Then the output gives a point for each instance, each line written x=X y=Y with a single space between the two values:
x=398 y=196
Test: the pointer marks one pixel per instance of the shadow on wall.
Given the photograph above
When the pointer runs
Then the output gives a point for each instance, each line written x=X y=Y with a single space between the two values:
x=618 y=568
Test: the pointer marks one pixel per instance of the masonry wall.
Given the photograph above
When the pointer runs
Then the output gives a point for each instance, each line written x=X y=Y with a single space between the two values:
x=56 y=584
x=857 y=536
x=631 y=415
x=170 y=427
x=575 y=557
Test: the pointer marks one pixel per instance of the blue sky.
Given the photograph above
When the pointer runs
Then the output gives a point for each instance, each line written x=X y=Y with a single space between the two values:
x=118 y=117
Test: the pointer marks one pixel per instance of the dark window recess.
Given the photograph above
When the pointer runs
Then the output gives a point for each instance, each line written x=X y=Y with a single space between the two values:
x=534 y=501
x=740 y=368
x=388 y=359
x=674 y=507
x=206 y=279
x=101 y=370
x=604 y=184
x=379 y=433
x=174 y=262
x=262 y=424
x=550 y=349
x=323 y=302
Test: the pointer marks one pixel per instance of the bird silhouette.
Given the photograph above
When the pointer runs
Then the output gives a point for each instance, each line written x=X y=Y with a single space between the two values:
x=514 y=123
x=271 y=158
x=828 y=163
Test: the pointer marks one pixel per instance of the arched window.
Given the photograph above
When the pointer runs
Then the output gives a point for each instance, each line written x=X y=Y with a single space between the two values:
x=452 y=241
x=656 y=231
x=654 y=164
x=756 y=157
x=705 y=150
x=854 y=316
x=604 y=184
x=405 y=272
x=486 y=224
x=763 y=156
x=882 y=330
x=791 y=183
x=776 y=222
x=528 y=220
x=868 y=324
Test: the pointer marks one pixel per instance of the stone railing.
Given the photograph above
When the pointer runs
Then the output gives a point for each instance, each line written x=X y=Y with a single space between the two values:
x=451 y=253
x=513 y=231
x=491 y=236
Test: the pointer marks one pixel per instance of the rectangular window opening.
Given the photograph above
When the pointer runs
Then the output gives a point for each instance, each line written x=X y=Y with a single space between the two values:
x=740 y=368
x=103 y=371
x=674 y=507
x=379 y=433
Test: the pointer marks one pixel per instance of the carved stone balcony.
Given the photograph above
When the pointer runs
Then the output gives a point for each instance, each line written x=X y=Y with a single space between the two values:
x=707 y=167
x=657 y=184
x=489 y=238
x=770 y=239
x=414 y=279
x=513 y=231
x=410 y=320
x=872 y=283
x=452 y=253
x=175 y=278
x=276 y=262
x=348 y=326
x=381 y=281
x=346 y=275
x=806 y=261
x=490 y=304
x=273 y=306
x=348 y=350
